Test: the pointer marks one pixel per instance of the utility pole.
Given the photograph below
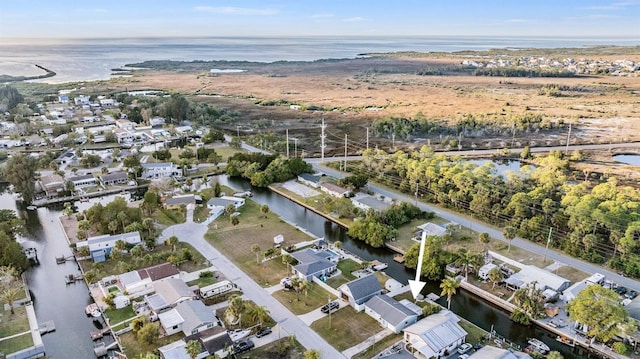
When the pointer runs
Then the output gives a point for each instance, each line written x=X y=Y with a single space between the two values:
x=329 y=306
x=238 y=131
x=287 y=143
x=547 y=247
x=295 y=144
x=566 y=151
x=416 y=193
x=322 y=145
x=393 y=141
x=345 y=152
x=367 y=137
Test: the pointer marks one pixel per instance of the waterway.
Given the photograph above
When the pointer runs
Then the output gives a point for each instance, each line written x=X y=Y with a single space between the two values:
x=628 y=159
x=466 y=305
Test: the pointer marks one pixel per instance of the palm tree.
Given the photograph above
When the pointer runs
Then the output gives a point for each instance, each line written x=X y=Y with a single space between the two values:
x=296 y=283
x=10 y=292
x=495 y=276
x=173 y=242
x=236 y=305
x=265 y=210
x=148 y=225
x=255 y=248
x=449 y=287
x=554 y=355
x=193 y=348
x=337 y=245
x=509 y=234
x=112 y=226
x=468 y=259
x=122 y=217
x=312 y=354
x=484 y=239
x=259 y=313
x=120 y=245
x=304 y=286
x=235 y=220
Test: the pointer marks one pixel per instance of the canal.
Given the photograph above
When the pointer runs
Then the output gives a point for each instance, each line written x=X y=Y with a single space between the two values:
x=466 y=305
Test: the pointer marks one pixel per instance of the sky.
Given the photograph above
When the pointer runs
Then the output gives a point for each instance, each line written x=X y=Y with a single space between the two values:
x=159 y=18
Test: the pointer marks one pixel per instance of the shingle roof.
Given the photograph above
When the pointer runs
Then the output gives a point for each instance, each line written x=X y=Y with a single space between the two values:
x=158 y=271
x=310 y=262
x=389 y=309
x=363 y=287
x=195 y=314
x=177 y=200
x=113 y=176
x=309 y=177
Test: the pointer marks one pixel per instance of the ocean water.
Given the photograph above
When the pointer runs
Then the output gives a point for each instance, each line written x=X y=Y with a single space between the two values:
x=93 y=59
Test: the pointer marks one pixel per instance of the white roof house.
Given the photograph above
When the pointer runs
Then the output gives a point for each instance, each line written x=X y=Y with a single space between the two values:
x=160 y=170
x=434 y=335
x=367 y=202
x=432 y=229
x=543 y=278
x=491 y=352
x=390 y=313
x=189 y=317
x=100 y=246
x=169 y=293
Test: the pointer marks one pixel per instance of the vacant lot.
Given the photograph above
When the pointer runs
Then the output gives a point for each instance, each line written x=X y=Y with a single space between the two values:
x=235 y=242
x=347 y=328
x=301 y=303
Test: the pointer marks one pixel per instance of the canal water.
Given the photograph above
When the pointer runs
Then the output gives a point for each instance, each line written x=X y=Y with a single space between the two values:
x=64 y=304
x=466 y=305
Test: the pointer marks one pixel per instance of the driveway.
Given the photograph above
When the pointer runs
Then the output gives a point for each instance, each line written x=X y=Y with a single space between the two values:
x=193 y=233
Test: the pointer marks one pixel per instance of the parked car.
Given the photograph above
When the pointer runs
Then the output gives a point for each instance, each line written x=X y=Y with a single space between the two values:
x=631 y=294
x=330 y=307
x=464 y=347
x=621 y=290
x=463 y=356
x=264 y=331
x=243 y=346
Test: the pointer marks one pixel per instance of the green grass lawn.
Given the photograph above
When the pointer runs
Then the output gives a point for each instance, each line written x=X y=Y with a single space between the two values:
x=347 y=266
x=169 y=217
x=348 y=328
x=118 y=315
x=200 y=214
x=202 y=281
x=383 y=344
x=336 y=281
x=133 y=348
x=300 y=304
x=287 y=347
x=475 y=333
x=11 y=324
x=15 y=344
x=246 y=320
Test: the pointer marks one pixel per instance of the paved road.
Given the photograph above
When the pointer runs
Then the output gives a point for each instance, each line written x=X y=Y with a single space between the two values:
x=193 y=233
x=496 y=233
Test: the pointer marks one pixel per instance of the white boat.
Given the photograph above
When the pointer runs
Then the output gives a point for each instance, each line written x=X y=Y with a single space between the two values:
x=378 y=266
x=32 y=208
x=538 y=345
x=238 y=334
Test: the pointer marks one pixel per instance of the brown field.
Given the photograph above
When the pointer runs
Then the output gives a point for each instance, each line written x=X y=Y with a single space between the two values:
x=357 y=91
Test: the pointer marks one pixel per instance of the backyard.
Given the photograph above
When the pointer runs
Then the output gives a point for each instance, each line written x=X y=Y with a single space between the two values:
x=346 y=328
x=133 y=347
x=287 y=347
x=302 y=303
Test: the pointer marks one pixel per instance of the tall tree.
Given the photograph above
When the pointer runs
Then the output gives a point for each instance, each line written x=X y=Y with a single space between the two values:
x=484 y=238
x=449 y=288
x=259 y=314
x=495 y=276
x=599 y=310
x=264 y=209
x=193 y=348
x=11 y=286
x=510 y=233
x=173 y=242
x=311 y=354
x=20 y=171
x=255 y=248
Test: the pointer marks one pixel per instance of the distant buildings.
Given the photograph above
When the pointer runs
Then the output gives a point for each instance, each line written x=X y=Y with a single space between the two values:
x=160 y=170
x=101 y=246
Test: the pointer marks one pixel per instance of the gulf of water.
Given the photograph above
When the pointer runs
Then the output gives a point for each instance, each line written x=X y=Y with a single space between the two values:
x=93 y=59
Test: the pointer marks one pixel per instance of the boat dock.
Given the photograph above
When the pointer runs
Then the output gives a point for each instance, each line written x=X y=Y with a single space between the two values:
x=63 y=259
x=47 y=327
x=72 y=278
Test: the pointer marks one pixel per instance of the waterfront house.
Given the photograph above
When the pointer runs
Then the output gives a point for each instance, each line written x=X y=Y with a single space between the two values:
x=83 y=181
x=334 y=190
x=169 y=292
x=114 y=178
x=160 y=170
x=101 y=246
x=139 y=282
x=390 y=313
x=124 y=136
x=434 y=336
x=214 y=340
x=183 y=130
x=177 y=201
x=309 y=180
x=80 y=100
x=188 y=317
x=491 y=352
x=51 y=185
x=66 y=158
x=483 y=272
x=310 y=265
x=224 y=201
x=543 y=278
x=366 y=202
x=359 y=291
x=430 y=229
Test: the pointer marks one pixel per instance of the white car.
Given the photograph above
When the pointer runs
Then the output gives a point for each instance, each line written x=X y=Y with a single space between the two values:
x=464 y=347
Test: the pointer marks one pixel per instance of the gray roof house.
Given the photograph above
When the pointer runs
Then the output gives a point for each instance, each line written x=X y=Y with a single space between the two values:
x=309 y=180
x=434 y=335
x=390 y=313
x=213 y=340
x=359 y=291
x=101 y=246
x=169 y=293
x=310 y=264
x=114 y=178
x=189 y=317
x=369 y=202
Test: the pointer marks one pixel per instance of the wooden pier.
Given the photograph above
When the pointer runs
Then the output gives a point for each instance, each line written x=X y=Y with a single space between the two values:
x=63 y=259
x=72 y=278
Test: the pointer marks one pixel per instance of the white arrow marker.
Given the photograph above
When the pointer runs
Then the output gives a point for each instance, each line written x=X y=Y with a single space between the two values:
x=417 y=285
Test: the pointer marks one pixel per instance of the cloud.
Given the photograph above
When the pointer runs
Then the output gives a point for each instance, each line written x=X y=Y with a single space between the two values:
x=593 y=17
x=353 y=19
x=100 y=10
x=517 y=20
x=231 y=10
x=612 y=6
x=322 y=16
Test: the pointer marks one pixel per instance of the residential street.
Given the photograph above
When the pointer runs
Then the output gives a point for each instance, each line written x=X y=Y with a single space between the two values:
x=193 y=233
x=496 y=233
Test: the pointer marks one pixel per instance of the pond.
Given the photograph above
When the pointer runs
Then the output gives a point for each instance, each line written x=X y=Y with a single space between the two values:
x=502 y=167
x=628 y=159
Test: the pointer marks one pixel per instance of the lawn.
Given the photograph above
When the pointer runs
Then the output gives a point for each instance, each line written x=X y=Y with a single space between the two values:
x=521 y=255
x=347 y=266
x=282 y=348
x=15 y=344
x=225 y=151
x=336 y=281
x=383 y=344
x=133 y=348
x=245 y=319
x=11 y=324
x=235 y=242
x=200 y=214
x=474 y=333
x=202 y=281
x=571 y=274
x=315 y=298
x=319 y=203
x=348 y=328
x=118 y=315
x=169 y=217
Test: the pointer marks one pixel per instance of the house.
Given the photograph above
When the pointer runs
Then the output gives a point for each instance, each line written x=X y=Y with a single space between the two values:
x=491 y=352
x=431 y=229
x=224 y=201
x=156 y=122
x=483 y=272
x=124 y=136
x=312 y=265
x=63 y=98
x=83 y=181
x=367 y=202
x=177 y=201
x=101 y=246
x=543 y=278
x=390 y=313
x=111 y=179
x=214 y=340
x=52 y=184
x=139 y=282
x=160 y=170
x=434 y=335
x=125 y=125
x=169 y=292
x=188 y=317
x=183 y=130
x=359 y=291
x=334 y=190
x=309 y=180
x=82 y=100
x=107 y=103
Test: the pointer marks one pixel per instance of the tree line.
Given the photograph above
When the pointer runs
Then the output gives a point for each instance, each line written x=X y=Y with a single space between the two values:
x=263 y=170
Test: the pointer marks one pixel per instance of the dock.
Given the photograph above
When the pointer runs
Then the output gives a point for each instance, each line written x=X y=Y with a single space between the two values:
x=84 y=197
x=47 y=327
x=399 y=258
x=63 y=259
x=72 y=278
